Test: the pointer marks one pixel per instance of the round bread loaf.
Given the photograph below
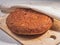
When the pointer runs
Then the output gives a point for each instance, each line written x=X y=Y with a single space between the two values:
x=28 y=22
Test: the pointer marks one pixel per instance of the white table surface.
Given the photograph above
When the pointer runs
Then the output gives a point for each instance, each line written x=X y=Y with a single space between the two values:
x=4 y=38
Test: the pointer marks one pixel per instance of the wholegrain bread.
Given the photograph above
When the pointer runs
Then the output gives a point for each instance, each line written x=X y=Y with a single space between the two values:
x=28 y=22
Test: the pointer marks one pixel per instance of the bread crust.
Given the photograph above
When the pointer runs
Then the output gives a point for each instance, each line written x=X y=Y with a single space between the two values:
x=28 y=22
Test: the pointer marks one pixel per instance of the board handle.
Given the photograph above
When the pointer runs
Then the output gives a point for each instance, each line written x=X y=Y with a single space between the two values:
x=56 y=25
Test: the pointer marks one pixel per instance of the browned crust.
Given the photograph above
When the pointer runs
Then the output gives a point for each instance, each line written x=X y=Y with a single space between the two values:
x=28 y=22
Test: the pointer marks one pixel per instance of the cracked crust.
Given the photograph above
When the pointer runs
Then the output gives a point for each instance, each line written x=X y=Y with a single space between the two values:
x=28 y=22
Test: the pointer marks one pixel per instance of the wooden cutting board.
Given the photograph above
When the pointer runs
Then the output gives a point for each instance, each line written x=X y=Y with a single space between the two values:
x=51 y=37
